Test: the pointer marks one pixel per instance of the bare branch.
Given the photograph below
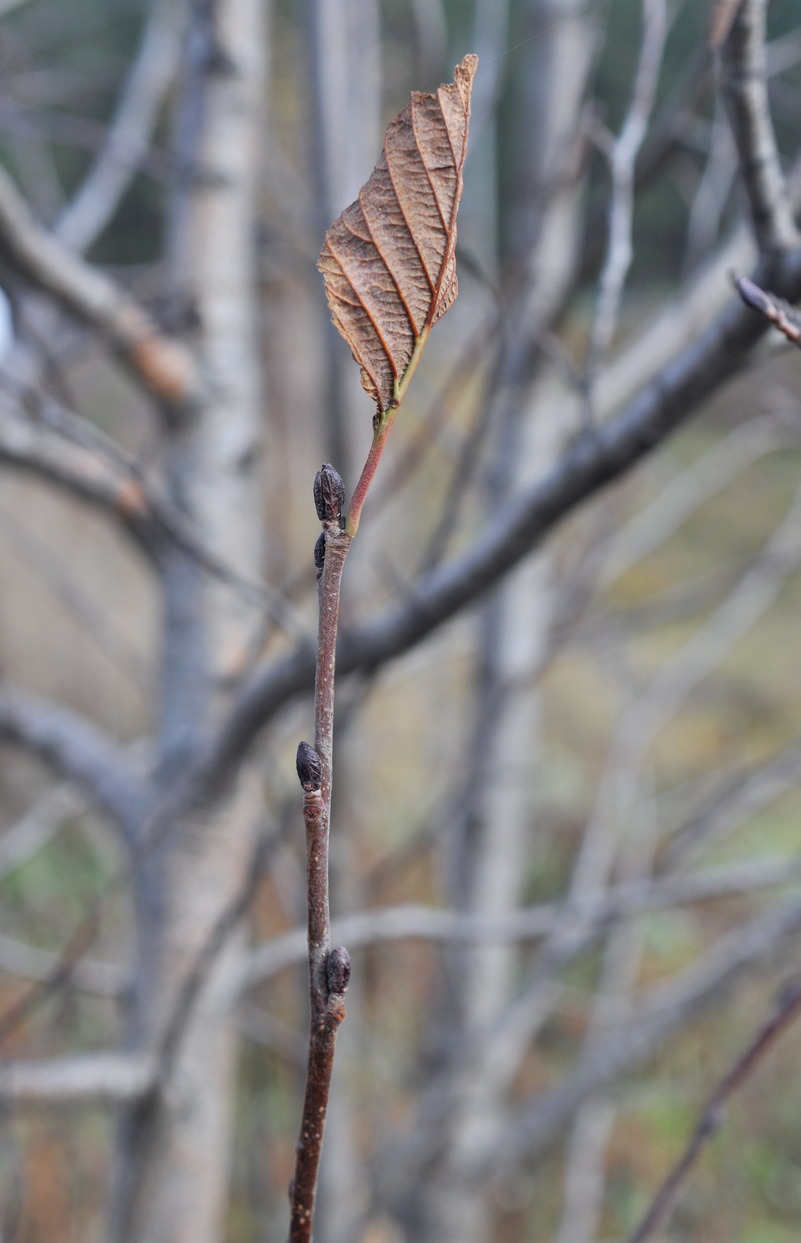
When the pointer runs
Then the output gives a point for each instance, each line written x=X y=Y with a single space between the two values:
x=79 y=749
x=745 y=91
x=785 y=317
x=622 y=158
x=644 y=1032
x=436 y=924
x=37 y=827
x=711 y=1118
x=28 y=962
x=163 y=366
x=65 y=449
x=683 y=495
x=589 y=464
x=96 y=1078
x=126 y=142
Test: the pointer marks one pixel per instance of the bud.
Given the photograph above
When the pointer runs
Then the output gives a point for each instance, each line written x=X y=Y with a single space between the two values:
x=319 y=553
x=337 y=970
x=310 y=770
x=329 y=494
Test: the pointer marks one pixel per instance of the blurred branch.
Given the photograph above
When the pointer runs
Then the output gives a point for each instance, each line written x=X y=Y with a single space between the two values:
x=37 y=827
x=589 y=464
x=745 y=91
x=164 y=367
x=29 y=962
x=611 y=820
x=106 y=1078
x=621 y=964
x=776 y=311
x=622 y=156
x=79 y=749
x=426 y=923
x=670 y=1006
x=127 y=138
x=96 y=618
x=786 y=1011
x=737 y=802
x=65 y=449
x=678 y=499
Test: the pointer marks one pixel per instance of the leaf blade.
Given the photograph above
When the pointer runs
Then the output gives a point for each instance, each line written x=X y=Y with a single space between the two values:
x=389 y=260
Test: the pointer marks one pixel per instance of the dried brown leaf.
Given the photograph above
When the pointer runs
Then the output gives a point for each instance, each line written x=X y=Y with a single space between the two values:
x=389 y=259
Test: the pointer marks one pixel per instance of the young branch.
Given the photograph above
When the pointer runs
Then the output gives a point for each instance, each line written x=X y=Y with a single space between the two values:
x=712 y=1115
x=586 y=467
x=745 y=91
x=329 y=970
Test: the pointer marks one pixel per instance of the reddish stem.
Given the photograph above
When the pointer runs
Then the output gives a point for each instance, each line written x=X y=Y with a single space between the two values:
x=382 y=427
x=326 y=1006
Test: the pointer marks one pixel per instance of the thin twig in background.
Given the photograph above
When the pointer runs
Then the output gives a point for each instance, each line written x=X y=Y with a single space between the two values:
x=781 y=314
x=711 y=1118
x=127 y=138
x=164 y=366
x=622 y=157
x=746 y=96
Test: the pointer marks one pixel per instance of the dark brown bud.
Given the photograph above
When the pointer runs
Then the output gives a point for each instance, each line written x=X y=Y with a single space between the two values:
x=319 y=553
x=310 y=770
x=329 y=493
x=337 y=970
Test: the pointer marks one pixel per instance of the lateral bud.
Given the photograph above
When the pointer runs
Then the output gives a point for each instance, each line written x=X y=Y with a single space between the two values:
x=310 y=770
x=337 y=970
x=319 y=553
x=329 y=493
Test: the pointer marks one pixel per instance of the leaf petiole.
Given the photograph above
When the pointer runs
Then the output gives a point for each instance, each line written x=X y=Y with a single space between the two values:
x=382 y=425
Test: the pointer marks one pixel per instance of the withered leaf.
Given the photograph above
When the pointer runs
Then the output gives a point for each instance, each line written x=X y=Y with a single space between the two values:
x=389 y=259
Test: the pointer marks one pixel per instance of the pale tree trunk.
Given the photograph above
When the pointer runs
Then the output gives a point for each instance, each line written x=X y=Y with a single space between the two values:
x=493 y=845
x=172 y=1162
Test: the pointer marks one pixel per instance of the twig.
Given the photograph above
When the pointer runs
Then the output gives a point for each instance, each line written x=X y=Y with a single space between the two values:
x=622 y=157
x=61 y=972
x=746 y=96
x=589 y=464
x=416 y=922
x=543 y=1117
x=68 y=450
x=785 y=317
x=78 y=749
x=329 y=971
x=711 y=1118
x=89 y=975
x=163 y=366
x=126 y=141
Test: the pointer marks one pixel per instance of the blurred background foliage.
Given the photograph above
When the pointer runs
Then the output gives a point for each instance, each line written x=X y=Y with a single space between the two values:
x=79 y=622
